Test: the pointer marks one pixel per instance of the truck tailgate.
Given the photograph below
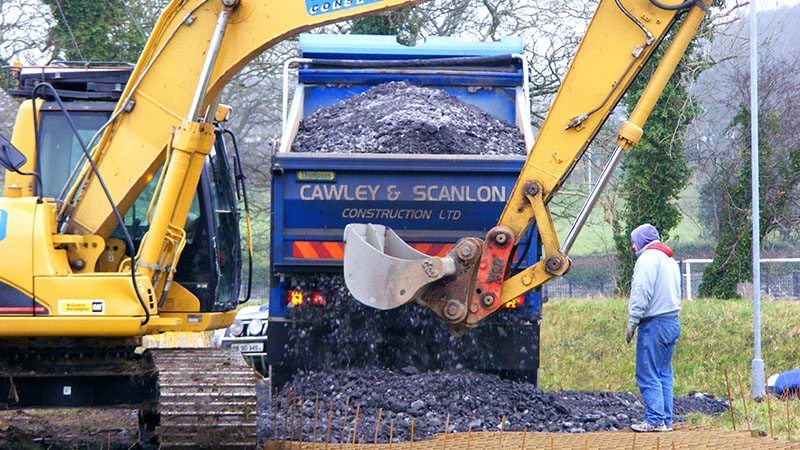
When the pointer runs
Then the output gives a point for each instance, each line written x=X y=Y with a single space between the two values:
x=429 y=200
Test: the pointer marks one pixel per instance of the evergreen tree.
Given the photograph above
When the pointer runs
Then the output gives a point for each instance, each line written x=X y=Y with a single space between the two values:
x=96 y=30
x=657 y=169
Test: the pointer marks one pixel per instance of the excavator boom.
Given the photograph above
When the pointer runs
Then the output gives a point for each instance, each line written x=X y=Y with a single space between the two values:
x=163 y=86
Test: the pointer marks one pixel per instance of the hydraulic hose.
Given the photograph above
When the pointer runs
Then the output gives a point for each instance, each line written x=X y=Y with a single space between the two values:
x=685 y=5
x=120 y=220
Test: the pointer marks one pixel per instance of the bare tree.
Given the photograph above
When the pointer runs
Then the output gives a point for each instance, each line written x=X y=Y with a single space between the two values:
x=23 y=31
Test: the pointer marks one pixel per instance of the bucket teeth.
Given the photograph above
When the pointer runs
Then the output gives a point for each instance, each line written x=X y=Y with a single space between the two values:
x=375 y=239
x=382 y=271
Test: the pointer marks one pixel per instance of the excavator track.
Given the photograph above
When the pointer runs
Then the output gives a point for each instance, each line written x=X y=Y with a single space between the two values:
x=206 y=398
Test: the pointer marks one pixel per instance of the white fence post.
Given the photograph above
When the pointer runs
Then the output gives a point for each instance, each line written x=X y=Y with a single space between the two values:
x=688 y=280
x=688 y=272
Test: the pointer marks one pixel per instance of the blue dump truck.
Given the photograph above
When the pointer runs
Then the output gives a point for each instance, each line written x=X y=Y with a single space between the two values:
x=429 y=200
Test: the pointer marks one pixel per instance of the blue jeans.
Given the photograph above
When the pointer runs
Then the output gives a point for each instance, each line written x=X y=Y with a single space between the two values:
x=655 y=343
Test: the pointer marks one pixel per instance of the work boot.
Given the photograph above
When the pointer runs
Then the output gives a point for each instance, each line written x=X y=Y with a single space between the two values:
x=646 y=427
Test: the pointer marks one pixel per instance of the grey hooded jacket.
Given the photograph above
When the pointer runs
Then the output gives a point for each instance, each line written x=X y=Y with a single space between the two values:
x=656 y=285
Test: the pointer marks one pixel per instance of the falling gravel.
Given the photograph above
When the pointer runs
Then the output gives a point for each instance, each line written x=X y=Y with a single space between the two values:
x=472 y=400
x=346 y=334
x=398 y=117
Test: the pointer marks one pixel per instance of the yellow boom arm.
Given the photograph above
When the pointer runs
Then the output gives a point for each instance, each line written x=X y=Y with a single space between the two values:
x=162 y=87
x=600 y=75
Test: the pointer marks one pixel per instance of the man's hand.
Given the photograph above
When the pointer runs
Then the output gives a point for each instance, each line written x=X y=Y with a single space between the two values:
x=630 y=331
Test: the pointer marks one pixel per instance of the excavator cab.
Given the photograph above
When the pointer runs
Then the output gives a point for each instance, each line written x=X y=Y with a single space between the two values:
x=211 y=262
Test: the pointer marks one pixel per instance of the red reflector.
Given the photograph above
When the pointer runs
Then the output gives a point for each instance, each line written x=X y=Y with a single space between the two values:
x=515 y=303
x=294 y=297
x=318 y=299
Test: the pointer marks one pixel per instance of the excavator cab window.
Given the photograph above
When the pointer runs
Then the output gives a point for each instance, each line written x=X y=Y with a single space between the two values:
x=60 y=151
x=226 y=216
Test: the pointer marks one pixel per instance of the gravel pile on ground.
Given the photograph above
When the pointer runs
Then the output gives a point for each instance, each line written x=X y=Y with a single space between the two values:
x=473 y=401
x=398 y=117
x=345 y=333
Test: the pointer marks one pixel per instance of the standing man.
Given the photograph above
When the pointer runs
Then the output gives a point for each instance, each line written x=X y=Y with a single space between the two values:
x=654 y=306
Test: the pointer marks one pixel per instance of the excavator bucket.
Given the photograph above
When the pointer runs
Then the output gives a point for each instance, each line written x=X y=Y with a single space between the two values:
x=383 y=272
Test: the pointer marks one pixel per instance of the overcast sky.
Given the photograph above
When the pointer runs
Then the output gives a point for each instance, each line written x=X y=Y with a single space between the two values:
x=37 y=57
x=774 y=4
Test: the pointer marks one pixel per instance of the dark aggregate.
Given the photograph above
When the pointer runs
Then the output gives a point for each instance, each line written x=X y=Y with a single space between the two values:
x=473 y=400
x=398 y=117
x=346 y=334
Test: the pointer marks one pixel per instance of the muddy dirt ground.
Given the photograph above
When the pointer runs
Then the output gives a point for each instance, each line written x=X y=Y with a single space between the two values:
x=68 y=429
x=472 y=400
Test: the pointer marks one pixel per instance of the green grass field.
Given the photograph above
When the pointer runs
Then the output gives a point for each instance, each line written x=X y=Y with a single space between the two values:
x=583 y=348
x=597 y=238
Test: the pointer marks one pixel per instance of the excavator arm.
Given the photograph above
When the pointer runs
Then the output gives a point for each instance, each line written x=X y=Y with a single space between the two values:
x=163 y=121
x=471 y=283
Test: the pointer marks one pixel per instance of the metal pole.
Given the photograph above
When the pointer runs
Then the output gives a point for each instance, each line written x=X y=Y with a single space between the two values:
x=594 y=195
x=758 y=363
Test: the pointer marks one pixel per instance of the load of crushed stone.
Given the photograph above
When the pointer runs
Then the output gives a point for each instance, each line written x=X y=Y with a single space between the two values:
x=474 y=401
x=398 y=117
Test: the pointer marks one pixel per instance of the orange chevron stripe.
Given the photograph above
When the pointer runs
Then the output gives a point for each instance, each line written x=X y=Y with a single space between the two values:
x=303 y=249
x=422 y=247
x=320 y=250
x=440 y=249
x=335 y=250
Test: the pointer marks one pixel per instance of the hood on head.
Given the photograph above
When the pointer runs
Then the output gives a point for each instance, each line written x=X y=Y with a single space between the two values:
x=643 y=235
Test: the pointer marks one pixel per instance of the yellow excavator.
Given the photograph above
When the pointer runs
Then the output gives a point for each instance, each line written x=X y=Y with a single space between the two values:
x=78 y=289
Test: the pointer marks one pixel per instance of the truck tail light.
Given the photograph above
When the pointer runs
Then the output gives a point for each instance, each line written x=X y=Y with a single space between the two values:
x=318 y=299
x=515 y=303
x=294 y=297
x=297 y=297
